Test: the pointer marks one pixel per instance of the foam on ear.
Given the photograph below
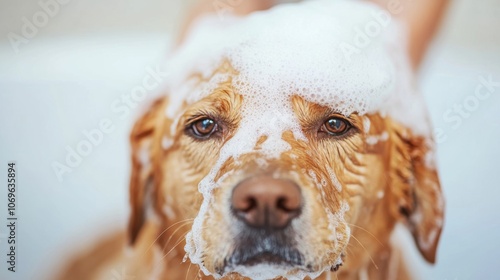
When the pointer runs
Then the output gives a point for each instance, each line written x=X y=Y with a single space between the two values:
x=302 y=49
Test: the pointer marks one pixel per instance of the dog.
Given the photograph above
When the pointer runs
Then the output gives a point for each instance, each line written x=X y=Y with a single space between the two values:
x=233 y=180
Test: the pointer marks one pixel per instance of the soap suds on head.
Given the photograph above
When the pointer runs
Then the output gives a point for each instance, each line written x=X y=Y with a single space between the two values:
x=294 y=49
x=291 y=49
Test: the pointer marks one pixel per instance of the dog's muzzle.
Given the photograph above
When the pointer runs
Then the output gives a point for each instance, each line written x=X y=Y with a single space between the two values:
x=264 y=208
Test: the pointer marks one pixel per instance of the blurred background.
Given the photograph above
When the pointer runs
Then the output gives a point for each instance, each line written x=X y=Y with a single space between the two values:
x=83 y=60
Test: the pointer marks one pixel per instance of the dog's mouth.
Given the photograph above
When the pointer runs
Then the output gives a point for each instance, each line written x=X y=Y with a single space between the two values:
x=270 y=258
x=264 y=248
x=282 y=257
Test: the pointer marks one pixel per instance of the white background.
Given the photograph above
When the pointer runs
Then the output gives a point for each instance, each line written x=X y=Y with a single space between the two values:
x=91 y=52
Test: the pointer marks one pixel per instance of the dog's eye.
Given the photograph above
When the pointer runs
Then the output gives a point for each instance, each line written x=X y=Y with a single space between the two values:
x=204 y=128
x=335 y=126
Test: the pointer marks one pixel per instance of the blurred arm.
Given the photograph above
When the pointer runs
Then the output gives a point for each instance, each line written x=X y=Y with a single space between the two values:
x=422 y=17
x=221 y=8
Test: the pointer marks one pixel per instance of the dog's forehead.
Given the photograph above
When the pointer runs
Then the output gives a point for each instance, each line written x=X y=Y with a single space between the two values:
x=341 y=54
x=276 y=55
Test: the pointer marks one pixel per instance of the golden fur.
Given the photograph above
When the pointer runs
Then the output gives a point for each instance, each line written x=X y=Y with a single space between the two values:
x=383 y=183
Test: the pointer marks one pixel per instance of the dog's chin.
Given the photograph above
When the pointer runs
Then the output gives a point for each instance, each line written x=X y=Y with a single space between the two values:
x=258 y=263
x=266 y=265
x=269 y=267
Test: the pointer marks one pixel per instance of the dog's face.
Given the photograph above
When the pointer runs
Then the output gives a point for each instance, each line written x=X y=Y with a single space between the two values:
x=298 y=212
x=285 y=165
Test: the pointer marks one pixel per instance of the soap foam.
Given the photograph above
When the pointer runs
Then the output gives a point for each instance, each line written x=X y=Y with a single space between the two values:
x=291 y=49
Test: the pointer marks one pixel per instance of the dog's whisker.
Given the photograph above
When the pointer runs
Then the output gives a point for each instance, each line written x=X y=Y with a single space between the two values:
x=164 y=256
x=349 y=252
x=187 y=272
x=197 y=275
x=367 y=252
x=173 y=234
x=365 y=230
x=179 y=241
x=165 y=230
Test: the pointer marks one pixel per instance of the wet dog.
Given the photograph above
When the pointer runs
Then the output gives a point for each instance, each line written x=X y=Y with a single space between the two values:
x=273 y=155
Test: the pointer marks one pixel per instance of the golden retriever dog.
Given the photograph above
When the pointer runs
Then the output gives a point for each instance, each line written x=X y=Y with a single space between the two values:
x=249 y=171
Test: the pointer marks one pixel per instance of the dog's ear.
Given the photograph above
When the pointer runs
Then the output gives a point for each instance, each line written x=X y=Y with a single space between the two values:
x=146 y=144
x=417 y=197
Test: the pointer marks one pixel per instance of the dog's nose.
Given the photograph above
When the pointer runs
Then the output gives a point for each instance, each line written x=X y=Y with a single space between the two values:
x=266 y=202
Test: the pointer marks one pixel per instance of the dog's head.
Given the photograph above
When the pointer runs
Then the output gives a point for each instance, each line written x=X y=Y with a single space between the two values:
x=281 y=175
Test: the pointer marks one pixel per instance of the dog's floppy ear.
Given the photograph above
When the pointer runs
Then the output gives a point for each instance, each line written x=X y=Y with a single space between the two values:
x=145 y=139
x=417 y=197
